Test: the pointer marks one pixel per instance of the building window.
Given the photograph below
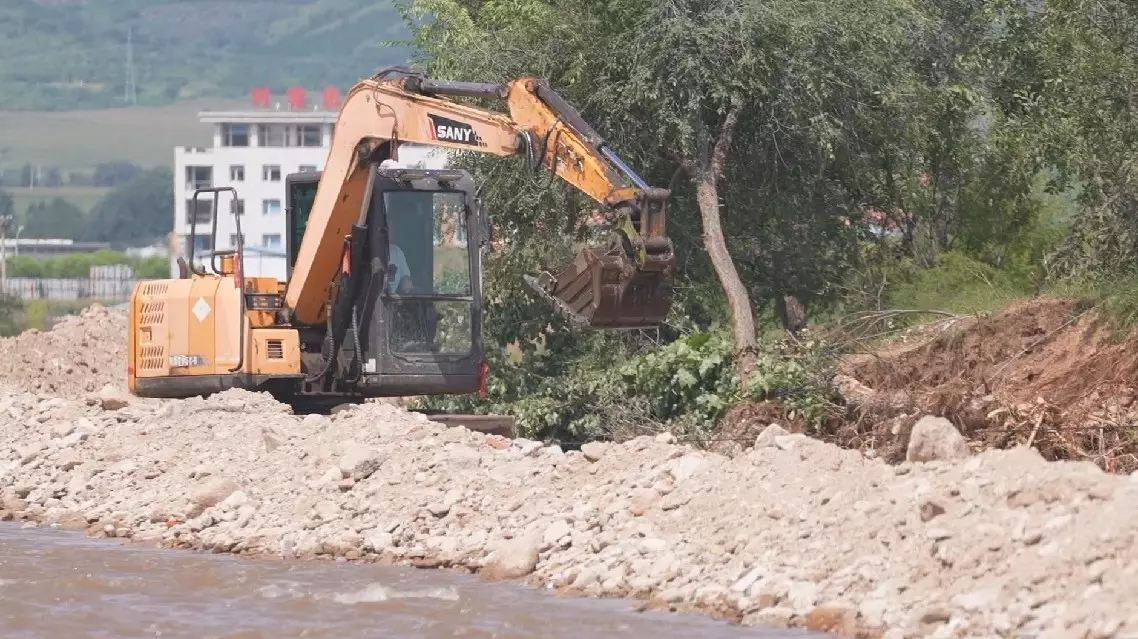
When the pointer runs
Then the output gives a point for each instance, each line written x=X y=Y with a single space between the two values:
x=202 y=216
x=272 y=135
x=235 y=135
x=201 y=242
x=271 y=173
x=233 y=239
x=307 y=168
x=198 y=177
x=237 y=173
x=309 y=135
x=237 y=207
x=272 y=241
x=270 y=207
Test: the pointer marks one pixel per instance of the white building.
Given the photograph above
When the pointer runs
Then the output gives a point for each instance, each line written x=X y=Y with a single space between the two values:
x=253 y=151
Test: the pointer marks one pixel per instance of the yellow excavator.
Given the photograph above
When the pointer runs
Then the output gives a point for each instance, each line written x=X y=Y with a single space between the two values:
x=383 y=296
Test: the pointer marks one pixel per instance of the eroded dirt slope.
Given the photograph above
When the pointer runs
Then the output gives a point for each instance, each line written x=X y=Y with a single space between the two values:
x=1054 y=373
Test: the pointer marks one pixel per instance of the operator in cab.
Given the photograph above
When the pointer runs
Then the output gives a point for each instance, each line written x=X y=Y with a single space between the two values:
x=398 y=272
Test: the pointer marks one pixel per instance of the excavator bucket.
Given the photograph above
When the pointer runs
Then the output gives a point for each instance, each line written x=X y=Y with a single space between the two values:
x=604 y=288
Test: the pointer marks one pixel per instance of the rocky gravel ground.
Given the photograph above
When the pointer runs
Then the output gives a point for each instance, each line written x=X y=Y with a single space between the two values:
x=791 y=532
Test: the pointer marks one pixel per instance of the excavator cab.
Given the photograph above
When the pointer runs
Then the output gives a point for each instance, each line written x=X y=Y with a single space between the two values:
x=408 y=314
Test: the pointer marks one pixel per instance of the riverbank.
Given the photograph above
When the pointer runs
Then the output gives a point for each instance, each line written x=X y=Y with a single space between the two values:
x=790 y=532
x=1002 y=543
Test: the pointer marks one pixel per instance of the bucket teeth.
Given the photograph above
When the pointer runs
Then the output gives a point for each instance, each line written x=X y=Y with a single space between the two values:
x=575 y=319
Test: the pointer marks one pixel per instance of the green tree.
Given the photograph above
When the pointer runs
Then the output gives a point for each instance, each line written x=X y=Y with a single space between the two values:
x=1084 y=58
x=139 y=211
x=62 y=55
x=10 y=309
x=765 y=111
x=115 y=173
x=7 y=205
x=52 y=219
x=52 y=177
x=849 y=153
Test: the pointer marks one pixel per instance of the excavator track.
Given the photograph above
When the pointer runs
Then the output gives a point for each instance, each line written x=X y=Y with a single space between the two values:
x=500 y=425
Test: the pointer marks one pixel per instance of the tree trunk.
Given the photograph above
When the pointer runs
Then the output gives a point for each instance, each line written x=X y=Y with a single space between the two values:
x=743 y=321
x=705 y=173
x=790 y=313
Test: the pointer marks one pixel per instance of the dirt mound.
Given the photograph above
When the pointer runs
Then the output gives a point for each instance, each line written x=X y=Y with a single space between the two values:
x=1054 y=374
x=80 y=354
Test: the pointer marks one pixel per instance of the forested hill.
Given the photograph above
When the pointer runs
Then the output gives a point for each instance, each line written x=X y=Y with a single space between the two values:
x=66 y=54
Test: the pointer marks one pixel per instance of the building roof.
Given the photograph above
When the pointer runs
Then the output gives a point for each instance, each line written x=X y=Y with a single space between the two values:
x=54 y=243
x=263 y=116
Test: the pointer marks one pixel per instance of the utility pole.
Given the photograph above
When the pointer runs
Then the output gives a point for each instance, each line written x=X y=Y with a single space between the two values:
x=5 y=224
x=130 y=91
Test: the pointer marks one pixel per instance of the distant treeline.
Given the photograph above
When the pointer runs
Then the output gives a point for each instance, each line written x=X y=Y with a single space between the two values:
x=136 y=211
x=79 y=265
x=73 y=55
x=106 y=174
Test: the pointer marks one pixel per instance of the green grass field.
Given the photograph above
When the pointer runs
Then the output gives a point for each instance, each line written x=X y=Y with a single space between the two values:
x=78 y=140
x=84 y=197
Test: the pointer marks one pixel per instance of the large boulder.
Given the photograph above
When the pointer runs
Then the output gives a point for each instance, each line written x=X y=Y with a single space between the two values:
x=934 y=439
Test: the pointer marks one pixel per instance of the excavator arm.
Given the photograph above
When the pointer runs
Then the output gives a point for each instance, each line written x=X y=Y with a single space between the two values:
x=625 y=284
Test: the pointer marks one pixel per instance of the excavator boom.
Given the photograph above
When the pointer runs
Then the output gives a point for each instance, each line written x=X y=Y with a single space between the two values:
x=625 y=284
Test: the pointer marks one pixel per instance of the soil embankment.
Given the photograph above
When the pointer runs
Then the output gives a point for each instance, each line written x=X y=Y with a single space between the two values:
x=792 y=531
x=1055 y=375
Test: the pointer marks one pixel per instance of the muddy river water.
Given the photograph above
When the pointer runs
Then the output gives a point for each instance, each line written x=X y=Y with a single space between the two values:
x=56 y=584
